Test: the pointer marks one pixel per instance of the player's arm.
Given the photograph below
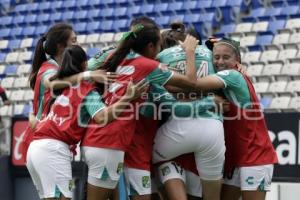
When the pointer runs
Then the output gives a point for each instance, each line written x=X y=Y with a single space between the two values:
x=108 y=114
x=99 y=76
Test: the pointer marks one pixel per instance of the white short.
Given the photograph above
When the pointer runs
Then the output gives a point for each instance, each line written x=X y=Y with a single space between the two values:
x=105 y=166
x=138 y=181
x=193 y=184
x=171 y=170
x=252 y=178
x=49 y=164
x=203 y=136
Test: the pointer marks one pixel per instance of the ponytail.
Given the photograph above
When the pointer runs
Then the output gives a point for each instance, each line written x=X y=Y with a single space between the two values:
x=38 y=59
x=48 y=45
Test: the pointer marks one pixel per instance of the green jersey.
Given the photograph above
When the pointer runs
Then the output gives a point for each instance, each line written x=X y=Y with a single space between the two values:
x=235 y=89
x=175 y=59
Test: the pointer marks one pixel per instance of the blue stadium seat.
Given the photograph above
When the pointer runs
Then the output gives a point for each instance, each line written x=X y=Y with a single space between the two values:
x=5 y=21
x=33 y=7
x=288 y=10
x=147 y=9
x=204 y=6
x=2 y=57
x=163 y=21
x=80 y=27
x=255 y=13
x=43 y=18
x=41 y=30
x=218 y=3
x=11 y=69
x=92 y=51
x=68 y=5
x=83 y=4
x=4 y=33
x=56 y=16
x=68 y=15
x=56 y=5
x=92 y=26
x=265 y=102
x=175 y=6
x=21 y=9
x=14 y=44
x=227 y=28
x=189 y=6
x=161 y=7
x=120 y=12
x=107 y=12
x=94 y=13
x=133 y=10
x=19 y=19
x=107 y=26
x=26 y=110
x=276 y=25
x=94 y=3
x=44 y=6
x=264 y=39
x=30 y=19
x=29 y=31
x=16 y=32
x=81 y=15
x=191 y=18
x=269 y=13
x=120 y=25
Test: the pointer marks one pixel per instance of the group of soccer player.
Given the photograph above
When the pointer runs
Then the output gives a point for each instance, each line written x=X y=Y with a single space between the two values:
x=179 y=118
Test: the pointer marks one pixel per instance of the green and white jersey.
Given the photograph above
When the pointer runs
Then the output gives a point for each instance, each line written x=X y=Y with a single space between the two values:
x=92 y=104
x=236 y=89
x=175 y=59
x=94 y=62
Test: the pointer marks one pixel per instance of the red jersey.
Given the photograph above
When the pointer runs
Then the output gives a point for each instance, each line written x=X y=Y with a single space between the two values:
x=62 y=121
x=139 y=153
x=118 y=134
x=247 y=140
x=28 y=135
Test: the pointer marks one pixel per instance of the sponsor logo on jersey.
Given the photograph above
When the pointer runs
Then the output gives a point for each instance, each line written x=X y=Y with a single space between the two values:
x=146 y=181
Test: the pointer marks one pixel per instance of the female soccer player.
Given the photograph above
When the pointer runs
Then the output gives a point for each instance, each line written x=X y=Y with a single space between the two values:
x=133 y=59
x=250 y=155
x=46 y=61
x=49 y=153
x=172 y=175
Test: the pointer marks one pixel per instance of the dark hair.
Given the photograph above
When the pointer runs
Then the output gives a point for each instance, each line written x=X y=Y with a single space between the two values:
x=142 y=20
x=72 y=60
x=178 y=32
x=171 y=37
x=136 y=41
x=47 y=44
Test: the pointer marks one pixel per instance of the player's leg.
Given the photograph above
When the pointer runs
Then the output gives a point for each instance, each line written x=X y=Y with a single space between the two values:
x=231 y=188
x=256 y=181
x=193 y=186
x=105 y=167
x=210 y=157
x=172 y=176
x=138 y=183
x=49 y=156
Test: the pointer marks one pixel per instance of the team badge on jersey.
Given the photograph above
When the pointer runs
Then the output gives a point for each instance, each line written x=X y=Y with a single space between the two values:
x=146 y=181
x=165 y=171
x=120 y=168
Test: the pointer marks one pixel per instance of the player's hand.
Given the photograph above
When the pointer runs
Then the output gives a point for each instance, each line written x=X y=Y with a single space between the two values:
x=222 y=104
x=102 y=76
x=134 y=91
x=190 y=43
x=241 y=68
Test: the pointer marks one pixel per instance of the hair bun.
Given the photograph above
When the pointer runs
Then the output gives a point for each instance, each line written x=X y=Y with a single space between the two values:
x=177 y=26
